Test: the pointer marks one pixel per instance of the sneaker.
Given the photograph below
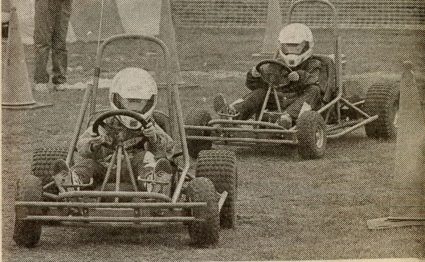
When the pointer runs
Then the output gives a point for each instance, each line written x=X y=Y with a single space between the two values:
x=163 y=177
x=61 y=174
x=41 y=87
x=285 y=121
x=163 y=165
x=60 y=87
x=63 y=177
x=221 y=106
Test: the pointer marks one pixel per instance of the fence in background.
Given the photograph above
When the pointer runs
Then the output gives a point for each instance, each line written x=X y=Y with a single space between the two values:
x=392 y=14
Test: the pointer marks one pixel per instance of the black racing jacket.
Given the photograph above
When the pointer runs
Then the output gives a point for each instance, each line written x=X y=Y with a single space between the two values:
x=309 y=72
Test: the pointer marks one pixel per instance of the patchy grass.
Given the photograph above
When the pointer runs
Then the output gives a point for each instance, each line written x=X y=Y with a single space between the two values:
x=287 y=208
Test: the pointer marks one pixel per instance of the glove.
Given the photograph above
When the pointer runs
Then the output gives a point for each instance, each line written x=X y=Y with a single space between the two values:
x=254 y=72
x=293 y=76
x=97 y=141
x=150 y=133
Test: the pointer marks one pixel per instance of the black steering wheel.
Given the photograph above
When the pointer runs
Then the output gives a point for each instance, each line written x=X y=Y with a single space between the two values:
x=100 y=120
x=273 y=72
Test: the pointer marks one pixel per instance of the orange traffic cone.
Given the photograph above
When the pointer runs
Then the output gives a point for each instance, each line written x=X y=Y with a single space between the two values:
x=168 y=35
x=273 y=27
x=407 y=203
x=16 y=91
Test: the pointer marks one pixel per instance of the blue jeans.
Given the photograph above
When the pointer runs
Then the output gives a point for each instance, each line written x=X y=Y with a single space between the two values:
x=51 y=27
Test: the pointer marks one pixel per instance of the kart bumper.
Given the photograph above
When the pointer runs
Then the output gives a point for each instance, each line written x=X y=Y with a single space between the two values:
x=75 y=210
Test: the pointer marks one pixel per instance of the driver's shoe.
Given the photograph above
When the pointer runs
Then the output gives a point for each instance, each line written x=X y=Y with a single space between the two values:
x=63 y=176
x=222 y=107
x=163 y=165
x=285 y=121
x=163 y=176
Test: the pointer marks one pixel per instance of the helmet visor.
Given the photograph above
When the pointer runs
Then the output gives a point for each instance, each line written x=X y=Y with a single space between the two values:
x=133 y=104
x=294 y=48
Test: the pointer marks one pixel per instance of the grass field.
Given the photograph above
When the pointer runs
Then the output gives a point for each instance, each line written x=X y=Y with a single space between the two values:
x=287 y=208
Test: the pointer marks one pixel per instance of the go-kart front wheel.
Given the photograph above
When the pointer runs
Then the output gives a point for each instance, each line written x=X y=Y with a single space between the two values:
x=27 y=233
x=205 y=232
x=220 y=167
x=198 y=118
x=311 y=135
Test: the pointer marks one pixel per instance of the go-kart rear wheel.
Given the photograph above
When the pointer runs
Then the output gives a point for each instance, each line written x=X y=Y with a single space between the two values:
x=311 y=135
x=382 y=100
x=206 y=232
x=198 y=118
x=27 y=233
x=220 y=167
x=42 y=160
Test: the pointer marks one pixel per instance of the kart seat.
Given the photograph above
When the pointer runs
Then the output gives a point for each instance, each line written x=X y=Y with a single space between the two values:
x=327 y=76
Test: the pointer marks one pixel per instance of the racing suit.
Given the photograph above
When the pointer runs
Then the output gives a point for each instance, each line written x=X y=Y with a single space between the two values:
x=292 y=95
x=143 y=152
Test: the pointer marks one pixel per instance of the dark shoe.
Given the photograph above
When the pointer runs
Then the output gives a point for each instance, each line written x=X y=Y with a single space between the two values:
x=220 y=104
x=222 y=107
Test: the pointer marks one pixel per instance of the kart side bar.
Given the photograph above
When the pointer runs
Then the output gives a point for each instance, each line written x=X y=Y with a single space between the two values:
x=235 y=129
x=110 y=205
x=243 y=139
x=244 y=122
x=366 y=121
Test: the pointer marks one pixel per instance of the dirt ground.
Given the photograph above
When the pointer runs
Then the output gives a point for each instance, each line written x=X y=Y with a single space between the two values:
x=288 y=208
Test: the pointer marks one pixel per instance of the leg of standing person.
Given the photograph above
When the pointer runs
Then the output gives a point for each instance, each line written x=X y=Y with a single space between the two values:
x=43 y=29
x=59 y=50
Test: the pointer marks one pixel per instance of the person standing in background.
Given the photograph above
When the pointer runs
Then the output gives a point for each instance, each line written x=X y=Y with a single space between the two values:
x=51 y=27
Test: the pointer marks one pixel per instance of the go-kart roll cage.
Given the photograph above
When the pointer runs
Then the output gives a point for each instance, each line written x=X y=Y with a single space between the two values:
x=224 y=125
x=159 y=200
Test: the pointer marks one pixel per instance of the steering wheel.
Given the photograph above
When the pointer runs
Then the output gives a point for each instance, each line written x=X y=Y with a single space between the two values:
x=100 y=120
x=275 y=73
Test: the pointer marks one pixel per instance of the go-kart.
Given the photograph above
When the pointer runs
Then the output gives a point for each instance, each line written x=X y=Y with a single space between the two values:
x=204 y=201
x=338 y=115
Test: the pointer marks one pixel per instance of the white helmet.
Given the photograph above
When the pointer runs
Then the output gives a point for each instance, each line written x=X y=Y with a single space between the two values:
x=296 y=44
x=133 y=89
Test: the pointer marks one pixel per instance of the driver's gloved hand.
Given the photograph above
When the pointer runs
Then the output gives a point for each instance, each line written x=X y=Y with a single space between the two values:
x=150 y=133
x=293 y=76
x=254 y=72
x=97 y=141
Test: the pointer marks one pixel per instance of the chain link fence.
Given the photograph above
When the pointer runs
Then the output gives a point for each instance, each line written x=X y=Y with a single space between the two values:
x=391 y=14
